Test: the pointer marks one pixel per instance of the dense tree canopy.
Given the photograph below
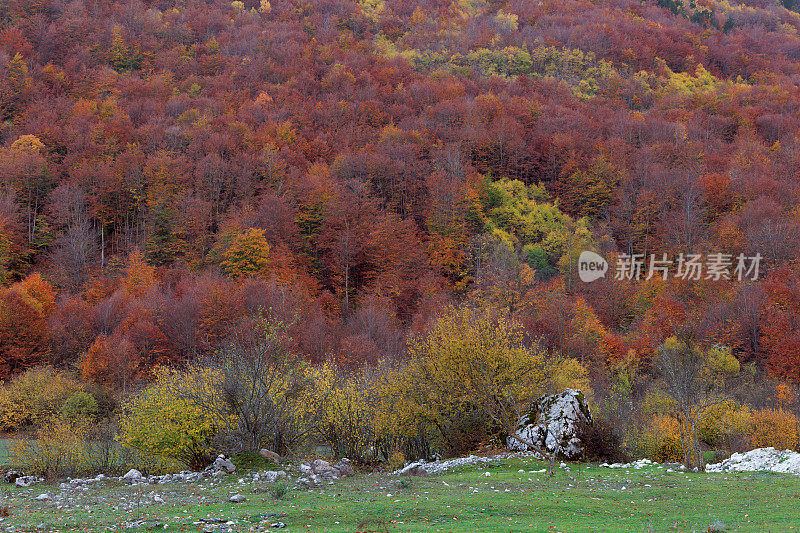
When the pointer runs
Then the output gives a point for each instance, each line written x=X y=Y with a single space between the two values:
x=168 y=169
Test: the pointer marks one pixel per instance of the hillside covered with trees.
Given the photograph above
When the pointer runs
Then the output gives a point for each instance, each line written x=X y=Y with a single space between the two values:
x=362 y=182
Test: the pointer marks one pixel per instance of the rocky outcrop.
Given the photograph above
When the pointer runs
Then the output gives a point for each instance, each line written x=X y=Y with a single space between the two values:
x=554 y=425
x=760 y=460
x=321 y=470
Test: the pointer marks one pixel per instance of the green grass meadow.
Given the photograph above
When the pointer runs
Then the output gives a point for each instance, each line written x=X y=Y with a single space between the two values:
x=580 y=498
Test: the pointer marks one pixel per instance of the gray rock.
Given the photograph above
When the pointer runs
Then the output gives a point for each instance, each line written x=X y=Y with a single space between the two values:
x=344 y=467
x=325 y=469
x=221 y=463
x=305 y=469
x=43 y=497
x=27 y=481
x=269 y=454
x=554 y=425
x=269 y=476
x=413 y=469
x=133 y=475
x=237 y=498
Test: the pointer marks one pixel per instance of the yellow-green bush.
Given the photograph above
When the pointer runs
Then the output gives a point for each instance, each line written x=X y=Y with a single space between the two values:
x=60 y=448
x=348 y=413
x=34 y=398
x=469 y=377
x=161 y=422
x=80 y=406
x=721 y=425
x=75 y=447
x=570 y=374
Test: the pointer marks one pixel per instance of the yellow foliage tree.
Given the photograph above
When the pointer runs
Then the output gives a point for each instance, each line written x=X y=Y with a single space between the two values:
x=60 y=448
x=774 y=427
x=694 y=380
x=162 y=422
x=34 y=398
x=247 y=255
x=139 y=276
x=471 y=366
x=347 y=421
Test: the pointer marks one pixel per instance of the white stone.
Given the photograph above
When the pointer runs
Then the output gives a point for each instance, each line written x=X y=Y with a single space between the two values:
x=636 y=465
x=271 y=476
x=132 y=474
x=26 y=481
x=557 y=425
x=758 y=460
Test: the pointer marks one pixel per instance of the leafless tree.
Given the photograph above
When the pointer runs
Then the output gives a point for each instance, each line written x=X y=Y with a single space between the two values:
x=260 y=383
x=691 y=381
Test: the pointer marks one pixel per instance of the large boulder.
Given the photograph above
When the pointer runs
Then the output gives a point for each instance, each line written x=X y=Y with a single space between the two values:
x=554 y=425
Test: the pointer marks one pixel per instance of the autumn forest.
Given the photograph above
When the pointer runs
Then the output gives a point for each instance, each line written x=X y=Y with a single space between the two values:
x=357 y=174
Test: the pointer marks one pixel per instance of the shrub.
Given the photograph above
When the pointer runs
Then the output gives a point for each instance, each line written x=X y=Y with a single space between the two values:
x=774 y=427
x=60 y=448
x=162 y=422
x=34 y=398
x=395 y=461
x=267 y=389
x=279 y=490
x=661 y=440
x=724 y=424
x=600 y=442
x=80 y=406
x=470 y=376
x=250 y=461
x=570 y=374
x=348 y=413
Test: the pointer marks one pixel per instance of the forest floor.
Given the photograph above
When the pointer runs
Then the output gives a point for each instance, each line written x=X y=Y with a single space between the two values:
x=512 y=494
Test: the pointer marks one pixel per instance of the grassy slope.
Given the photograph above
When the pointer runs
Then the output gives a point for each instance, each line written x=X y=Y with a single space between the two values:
x=585 y=498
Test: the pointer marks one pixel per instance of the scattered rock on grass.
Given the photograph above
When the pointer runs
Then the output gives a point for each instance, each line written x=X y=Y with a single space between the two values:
x=637 y=465
x=413 y=469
